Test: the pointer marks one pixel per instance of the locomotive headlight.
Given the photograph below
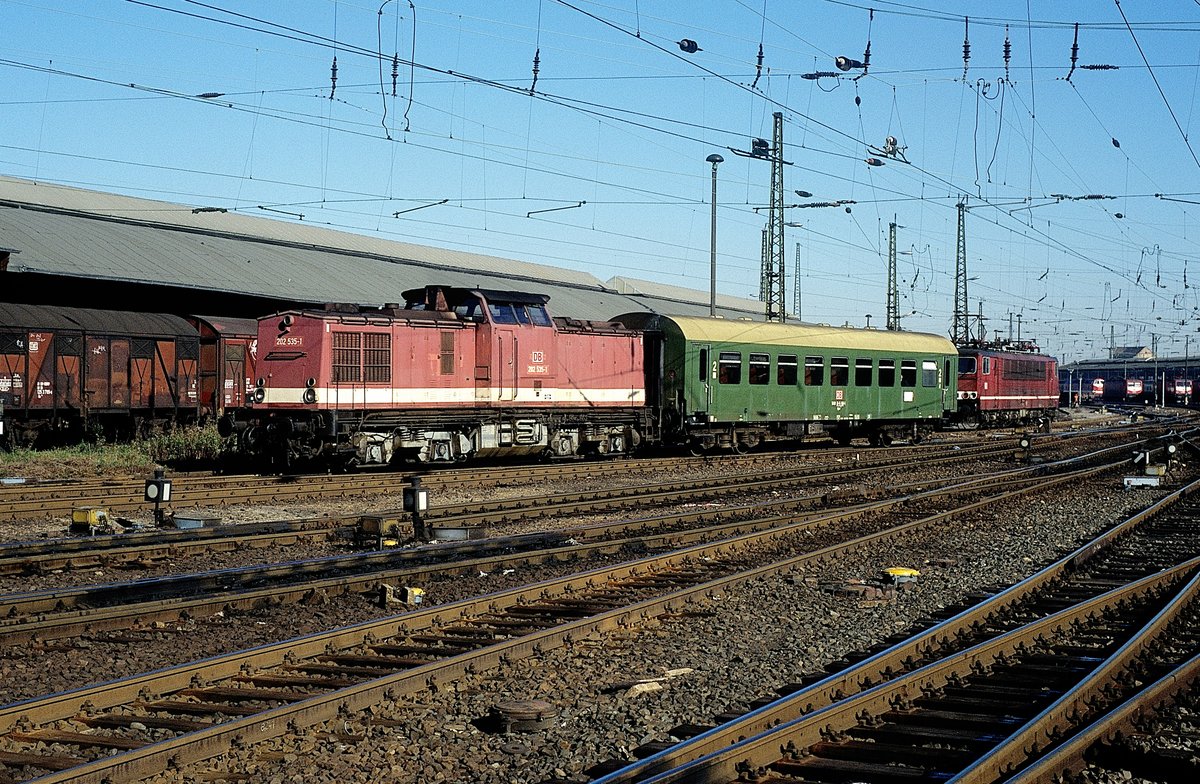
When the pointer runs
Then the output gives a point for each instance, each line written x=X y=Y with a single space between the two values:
x=310 y=396
x=260 y=395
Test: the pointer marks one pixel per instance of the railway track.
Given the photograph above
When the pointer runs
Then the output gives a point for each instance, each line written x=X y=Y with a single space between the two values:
x=58 y=614
x=147 y=547
x=982 y=687
x=58 y=499
x=131 y=727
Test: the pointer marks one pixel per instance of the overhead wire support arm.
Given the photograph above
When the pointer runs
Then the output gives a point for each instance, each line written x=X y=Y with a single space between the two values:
x=419 y=207
x=556 y=209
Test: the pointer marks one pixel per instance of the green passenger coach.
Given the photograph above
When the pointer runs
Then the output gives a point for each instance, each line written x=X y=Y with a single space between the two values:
x=733 y=384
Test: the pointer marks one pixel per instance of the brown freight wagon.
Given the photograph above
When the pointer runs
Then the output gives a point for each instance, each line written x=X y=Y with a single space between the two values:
x=68 y=372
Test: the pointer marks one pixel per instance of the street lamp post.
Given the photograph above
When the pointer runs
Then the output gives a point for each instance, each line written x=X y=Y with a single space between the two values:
x=714 y=159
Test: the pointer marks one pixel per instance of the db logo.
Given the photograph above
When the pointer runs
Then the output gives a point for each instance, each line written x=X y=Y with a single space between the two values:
x=839 y=394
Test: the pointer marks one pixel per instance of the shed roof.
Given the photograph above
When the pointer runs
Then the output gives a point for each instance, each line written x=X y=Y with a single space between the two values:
x=63 y=231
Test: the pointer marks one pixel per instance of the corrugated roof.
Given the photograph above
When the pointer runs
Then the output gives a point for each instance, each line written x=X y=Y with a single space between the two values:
x=668 y=293
x=79 y=233
x=816 y=335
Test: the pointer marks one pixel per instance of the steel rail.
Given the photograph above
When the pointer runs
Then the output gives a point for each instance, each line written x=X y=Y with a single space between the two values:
x=1069 y=756
x=886 y=664
x=129 y=765
x=199 y=489
x=759 y=751
x=107 y=550
x=1064 y=715
x=42 y=499
x=48 y=615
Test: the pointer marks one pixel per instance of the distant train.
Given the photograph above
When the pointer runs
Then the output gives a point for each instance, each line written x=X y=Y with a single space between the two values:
x=464 y=373
x=1005 y=384
x=66 y=373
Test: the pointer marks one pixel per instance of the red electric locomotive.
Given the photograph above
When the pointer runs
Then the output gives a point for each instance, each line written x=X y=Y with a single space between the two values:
x=1008 y=384
x=455 y=374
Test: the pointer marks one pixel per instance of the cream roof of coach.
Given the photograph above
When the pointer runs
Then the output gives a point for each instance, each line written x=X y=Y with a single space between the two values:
x=711 y=330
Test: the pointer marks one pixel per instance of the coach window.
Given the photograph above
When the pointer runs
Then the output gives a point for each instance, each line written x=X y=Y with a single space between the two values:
x=839 y=371
x=887 y=372
x=966 y=366
x=703 y=364
x=928 y=373
x=946 y=376
x=729 y=367
x=785 y=371
x=760 y=369
x=862 y=372
x=814 y=371
x=987 y=366
x=908 y=372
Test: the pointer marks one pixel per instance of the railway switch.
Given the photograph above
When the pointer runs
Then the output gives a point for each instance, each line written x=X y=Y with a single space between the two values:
x=87 y=520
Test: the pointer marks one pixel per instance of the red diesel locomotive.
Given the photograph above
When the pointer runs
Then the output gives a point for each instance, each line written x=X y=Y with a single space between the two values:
x=1008 y=384
x=456 y=373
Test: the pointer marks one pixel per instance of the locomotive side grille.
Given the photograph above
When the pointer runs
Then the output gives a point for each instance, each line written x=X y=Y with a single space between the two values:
x=347 y=356
x=377 y=357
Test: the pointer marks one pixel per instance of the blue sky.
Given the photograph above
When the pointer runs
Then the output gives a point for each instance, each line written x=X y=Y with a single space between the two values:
x=103 y=94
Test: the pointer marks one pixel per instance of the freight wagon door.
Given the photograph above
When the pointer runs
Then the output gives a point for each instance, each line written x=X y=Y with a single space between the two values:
x=67 y=369
x=14 y=371
x=96 y=393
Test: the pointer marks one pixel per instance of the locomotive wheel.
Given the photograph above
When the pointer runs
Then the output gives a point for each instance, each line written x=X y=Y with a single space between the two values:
x=971 y=422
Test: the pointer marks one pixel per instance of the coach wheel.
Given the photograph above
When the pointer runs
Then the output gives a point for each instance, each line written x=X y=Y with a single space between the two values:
x=842 y=437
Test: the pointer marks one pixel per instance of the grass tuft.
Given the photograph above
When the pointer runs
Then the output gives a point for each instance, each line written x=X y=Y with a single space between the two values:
x=184 y=445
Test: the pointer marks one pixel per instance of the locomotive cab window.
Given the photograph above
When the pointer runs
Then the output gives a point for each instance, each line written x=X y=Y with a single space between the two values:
x=785 y=370
x=729 y=367
x=862 y=372
x=908 y=372
x=929 y=373
x=502 y=313
x=887 y=372
x=469 y=310
x=539 y=316
x=966 y=366
x=814 y=371
x=760 y=368
x=987 y=366
x=839 y=371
